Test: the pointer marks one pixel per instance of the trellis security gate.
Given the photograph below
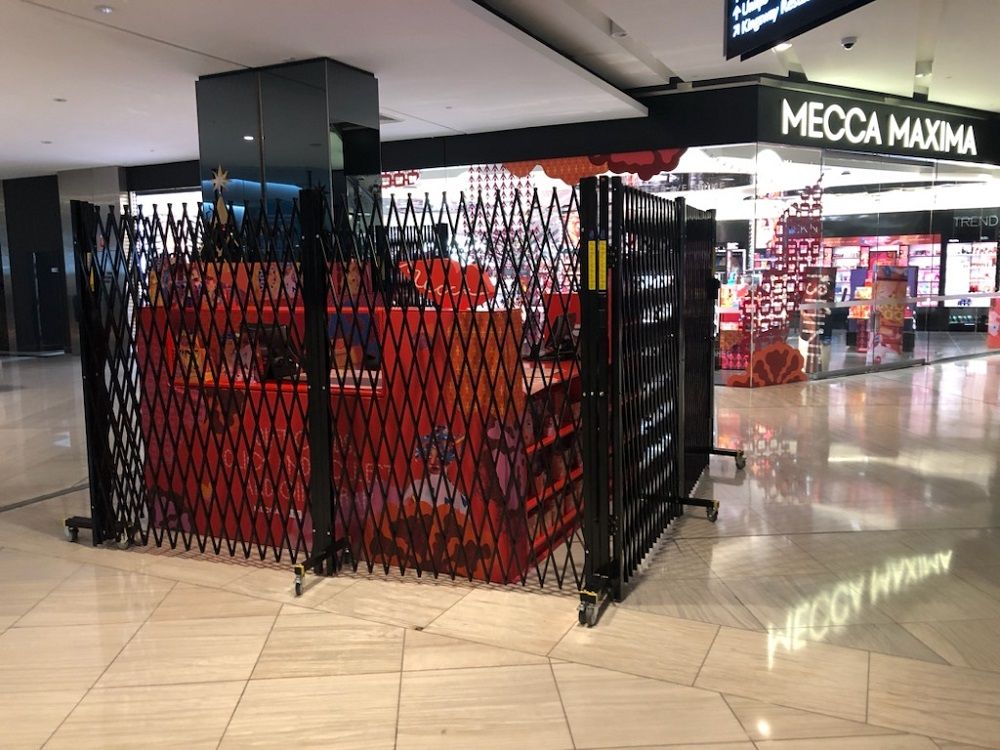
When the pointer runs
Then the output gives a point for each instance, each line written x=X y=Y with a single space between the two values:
x=645 y=297
x=395 y=389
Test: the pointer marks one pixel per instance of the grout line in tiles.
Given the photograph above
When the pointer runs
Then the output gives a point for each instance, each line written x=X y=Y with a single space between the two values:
x=868 y=687
x=737 y=717
x=705 y=657
x=448 y=608
x=47 y=594
x=42 y=498
x=562 y=705
x=239 y=700
x=399 y=692
x=563 y=637
x=763 y=628
x=103 y=672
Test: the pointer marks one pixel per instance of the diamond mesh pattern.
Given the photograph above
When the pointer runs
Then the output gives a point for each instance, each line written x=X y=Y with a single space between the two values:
x=451 y=416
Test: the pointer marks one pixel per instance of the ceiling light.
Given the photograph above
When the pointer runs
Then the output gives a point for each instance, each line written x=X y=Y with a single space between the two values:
x=104 y=10
x=47 y=142
x=248 y=138
x=59 y=99
x=924 y=69
x=783 y=47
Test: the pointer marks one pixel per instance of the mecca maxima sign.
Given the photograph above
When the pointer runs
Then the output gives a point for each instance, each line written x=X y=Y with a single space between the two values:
x=800 y=118
x=754 y=26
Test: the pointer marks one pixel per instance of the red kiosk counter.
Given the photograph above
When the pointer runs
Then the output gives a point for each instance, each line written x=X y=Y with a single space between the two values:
x=451 y=453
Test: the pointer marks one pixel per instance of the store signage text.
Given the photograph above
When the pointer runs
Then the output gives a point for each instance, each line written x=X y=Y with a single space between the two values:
x=753 y=26
x=970 y=222
x=833 y=123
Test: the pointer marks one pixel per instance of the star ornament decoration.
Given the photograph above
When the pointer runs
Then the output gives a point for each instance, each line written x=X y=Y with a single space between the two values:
x=220 y=179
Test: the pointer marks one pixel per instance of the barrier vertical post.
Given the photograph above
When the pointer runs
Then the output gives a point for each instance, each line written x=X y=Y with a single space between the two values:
x=315 y=281
x=595 y=380
x=92 y=357
x=615 y=397
x=679 y=242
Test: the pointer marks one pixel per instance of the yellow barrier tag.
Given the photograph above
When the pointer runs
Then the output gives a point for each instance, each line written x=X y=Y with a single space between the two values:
x=602 y=266
x=592 y=266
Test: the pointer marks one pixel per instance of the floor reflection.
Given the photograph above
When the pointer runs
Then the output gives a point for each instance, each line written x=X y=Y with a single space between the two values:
x=812 y=619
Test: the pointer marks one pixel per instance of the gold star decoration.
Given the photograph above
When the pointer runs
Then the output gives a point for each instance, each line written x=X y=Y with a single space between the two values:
x=220 y=179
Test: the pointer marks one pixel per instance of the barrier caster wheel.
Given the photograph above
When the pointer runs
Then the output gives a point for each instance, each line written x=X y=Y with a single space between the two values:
x=741 y=461
x=713 y=514
x=72 y=534
x=587 y=614
x=124 y=543
x=300 y=573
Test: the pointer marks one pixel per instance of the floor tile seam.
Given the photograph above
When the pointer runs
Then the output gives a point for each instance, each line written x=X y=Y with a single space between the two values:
x=470 y=641
x=868 y=686
x=739 y=721
x=704 y=659
x=253 y=669
x=447 y=609
x=373 y=621
x=29 y=501
x=604 y=667
x=839 y=717
x=141 y=618
x=791 y=538
x=893 y=730
x=624 y=606
x=98 y=679
x=358 y=580
x=399 y=692
x=946 y=665
x=47 y=594
x=376 y=673
x=743 y=604
x=184 y=683
x=34 y=551
x=562 y=705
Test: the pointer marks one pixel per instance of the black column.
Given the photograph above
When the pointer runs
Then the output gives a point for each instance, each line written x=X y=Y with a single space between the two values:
x=37 y=265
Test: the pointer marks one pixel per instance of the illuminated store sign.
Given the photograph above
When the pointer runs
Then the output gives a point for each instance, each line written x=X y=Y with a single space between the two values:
x=800 y=117
x=753 y=26
x=833 y=123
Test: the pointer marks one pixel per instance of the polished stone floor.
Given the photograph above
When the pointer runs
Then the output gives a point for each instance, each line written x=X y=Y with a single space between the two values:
x=848 y=597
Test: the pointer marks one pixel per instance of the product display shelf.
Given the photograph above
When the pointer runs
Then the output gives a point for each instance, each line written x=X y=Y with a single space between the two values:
x=553 y=458
x=532 y=480
x=532 y=503
x=544 y=442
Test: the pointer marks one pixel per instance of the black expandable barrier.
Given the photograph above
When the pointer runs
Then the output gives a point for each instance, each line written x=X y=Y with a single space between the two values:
x=472 y=391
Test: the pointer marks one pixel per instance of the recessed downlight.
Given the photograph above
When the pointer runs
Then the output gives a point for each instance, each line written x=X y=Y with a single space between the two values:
x=47 y=143
x=248 y=138
x=104 y=10
x=59 y=99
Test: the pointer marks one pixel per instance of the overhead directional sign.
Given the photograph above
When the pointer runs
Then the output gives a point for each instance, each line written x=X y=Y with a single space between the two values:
x=753 y=26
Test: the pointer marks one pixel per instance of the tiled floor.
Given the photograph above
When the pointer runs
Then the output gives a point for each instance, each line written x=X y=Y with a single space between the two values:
x=847 y=599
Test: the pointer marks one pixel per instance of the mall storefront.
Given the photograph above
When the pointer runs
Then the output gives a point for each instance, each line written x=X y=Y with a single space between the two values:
x=853 y=233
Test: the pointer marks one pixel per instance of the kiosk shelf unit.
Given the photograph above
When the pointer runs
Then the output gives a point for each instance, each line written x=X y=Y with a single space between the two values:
x=451 y=399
